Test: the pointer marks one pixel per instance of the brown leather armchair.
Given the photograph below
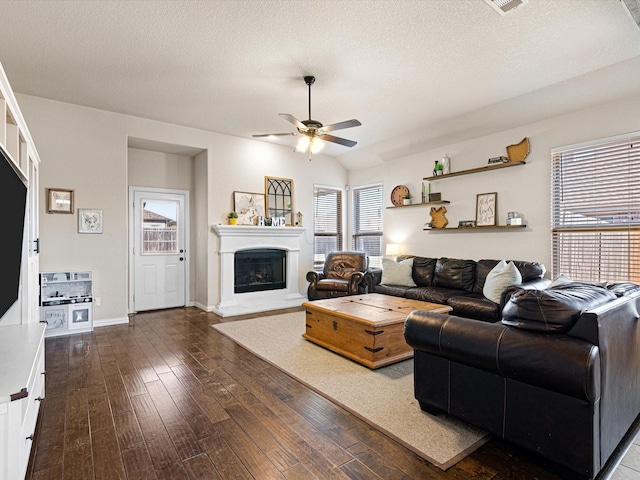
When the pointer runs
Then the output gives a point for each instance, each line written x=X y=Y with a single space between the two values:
x=343 y=274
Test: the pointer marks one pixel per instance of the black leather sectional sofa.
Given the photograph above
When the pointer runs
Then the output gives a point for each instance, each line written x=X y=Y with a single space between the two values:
x=457 y=283
x=559 y=374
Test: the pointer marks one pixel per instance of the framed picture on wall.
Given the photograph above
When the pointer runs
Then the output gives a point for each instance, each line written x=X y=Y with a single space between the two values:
x=89 y=220
x=248 y=206
x=486 y=206
x=59 y=200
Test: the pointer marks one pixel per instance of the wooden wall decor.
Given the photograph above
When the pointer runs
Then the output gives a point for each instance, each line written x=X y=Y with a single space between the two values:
x=519 y=151
x=438 y=219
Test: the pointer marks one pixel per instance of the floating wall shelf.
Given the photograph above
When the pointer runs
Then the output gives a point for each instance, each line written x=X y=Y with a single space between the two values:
x=492 y=227
x=486 y=168
x=439 y=202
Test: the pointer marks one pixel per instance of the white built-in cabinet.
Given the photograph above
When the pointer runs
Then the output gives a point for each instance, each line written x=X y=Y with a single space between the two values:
x=21 y=334
x=22 y=377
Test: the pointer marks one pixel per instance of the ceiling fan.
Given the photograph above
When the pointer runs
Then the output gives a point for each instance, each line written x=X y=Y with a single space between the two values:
x=313 y=133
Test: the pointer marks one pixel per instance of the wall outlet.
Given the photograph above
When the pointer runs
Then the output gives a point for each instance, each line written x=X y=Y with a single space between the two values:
x=97 y=301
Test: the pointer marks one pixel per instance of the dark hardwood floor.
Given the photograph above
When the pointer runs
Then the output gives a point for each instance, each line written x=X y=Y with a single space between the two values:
x=168 y=397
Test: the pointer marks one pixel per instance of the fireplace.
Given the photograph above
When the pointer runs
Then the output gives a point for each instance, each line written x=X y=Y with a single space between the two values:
x=267 y=286
x=260 y=269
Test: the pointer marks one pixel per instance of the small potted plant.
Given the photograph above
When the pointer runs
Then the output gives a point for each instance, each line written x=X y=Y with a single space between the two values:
x=406 y=199
x=233 y=218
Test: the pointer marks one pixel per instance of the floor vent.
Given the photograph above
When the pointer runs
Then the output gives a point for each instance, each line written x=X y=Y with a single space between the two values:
x=506 y=6
x=633 y=9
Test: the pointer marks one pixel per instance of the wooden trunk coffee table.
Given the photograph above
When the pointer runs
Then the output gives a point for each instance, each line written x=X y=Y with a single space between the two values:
x=368 y=329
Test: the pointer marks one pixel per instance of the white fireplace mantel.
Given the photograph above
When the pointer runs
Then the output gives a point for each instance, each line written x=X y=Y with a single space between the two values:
x=233 y=238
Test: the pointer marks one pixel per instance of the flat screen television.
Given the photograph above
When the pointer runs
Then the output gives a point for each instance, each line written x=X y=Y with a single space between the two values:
x=13 y=192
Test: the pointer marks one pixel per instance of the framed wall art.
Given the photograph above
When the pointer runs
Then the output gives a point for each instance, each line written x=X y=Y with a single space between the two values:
x=89 y=220
x=59 y=200
x=486 y=206
x=248 y=206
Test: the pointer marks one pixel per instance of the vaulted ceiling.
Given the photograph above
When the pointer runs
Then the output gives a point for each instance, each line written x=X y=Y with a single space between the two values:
x=416 y=73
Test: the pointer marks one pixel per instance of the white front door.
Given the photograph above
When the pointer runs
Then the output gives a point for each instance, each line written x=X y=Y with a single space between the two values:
x=159 y=253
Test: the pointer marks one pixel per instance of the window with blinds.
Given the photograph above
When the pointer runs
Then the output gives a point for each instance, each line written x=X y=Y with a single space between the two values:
x=327 y=223
x=596 y=211
x=367 y=222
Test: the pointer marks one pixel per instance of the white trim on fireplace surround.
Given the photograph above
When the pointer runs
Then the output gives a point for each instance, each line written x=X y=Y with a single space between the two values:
x=233 y=238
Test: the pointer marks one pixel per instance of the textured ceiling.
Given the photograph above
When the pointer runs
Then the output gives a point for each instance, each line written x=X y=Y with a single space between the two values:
x=415 y=73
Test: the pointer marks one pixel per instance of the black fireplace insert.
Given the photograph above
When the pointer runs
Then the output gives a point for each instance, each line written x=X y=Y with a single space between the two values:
x=260 y=269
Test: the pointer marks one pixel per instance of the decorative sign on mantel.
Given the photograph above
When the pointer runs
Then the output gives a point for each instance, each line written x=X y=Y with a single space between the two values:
x=272 y=221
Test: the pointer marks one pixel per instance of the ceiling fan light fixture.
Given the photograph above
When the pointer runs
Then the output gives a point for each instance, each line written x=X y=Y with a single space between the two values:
x=316 y=144
x=314 y=134
x=303 y=144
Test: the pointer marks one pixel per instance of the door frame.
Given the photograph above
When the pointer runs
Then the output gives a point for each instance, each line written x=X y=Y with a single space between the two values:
x=187 y=240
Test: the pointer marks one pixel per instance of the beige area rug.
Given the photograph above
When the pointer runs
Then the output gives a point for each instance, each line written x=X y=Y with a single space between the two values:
x=383 y=398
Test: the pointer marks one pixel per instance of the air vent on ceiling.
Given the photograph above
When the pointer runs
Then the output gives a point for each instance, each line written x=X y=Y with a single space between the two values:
x=633 y=8
x=505 y=6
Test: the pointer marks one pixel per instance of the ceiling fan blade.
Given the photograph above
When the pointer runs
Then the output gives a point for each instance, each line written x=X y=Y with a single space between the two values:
x=341 y=125
x=273 y=135
x=341 y=141
x=291 y=119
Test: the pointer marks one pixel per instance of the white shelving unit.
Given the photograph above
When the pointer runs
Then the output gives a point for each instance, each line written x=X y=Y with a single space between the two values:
x=21 y=333
x=21 y=393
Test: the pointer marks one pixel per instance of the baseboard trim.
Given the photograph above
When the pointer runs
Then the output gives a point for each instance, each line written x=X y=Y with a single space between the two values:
x=110 y=321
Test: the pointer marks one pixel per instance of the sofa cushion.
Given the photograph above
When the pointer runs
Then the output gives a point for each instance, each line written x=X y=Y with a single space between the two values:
x=483 y=267
x=476 y=306
x=423 y=269
x=432 y=294
x=455 y=273
x=529 y=270
x=623 y=289
x=397 y=273
x=553 y=310
x=394 y=290
x=334 y=284
x=500 y=277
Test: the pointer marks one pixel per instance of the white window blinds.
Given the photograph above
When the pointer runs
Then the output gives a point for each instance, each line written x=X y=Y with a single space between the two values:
x=367 y=222
x=327 y=223
x=596 y=211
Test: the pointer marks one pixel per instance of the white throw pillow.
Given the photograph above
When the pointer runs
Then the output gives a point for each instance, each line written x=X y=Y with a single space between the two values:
x=397 y=273
x=500 y=277
x=560 y=280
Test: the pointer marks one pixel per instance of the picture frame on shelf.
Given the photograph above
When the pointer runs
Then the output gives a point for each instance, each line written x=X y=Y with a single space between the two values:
x=89 y=220
x=249 y=207
x=466 y=223
x=486 y=209
x=59 y=200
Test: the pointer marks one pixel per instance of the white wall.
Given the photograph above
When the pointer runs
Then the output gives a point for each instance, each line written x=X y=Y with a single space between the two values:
x=200 y=230
x=525 y=189
x=85 y=149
